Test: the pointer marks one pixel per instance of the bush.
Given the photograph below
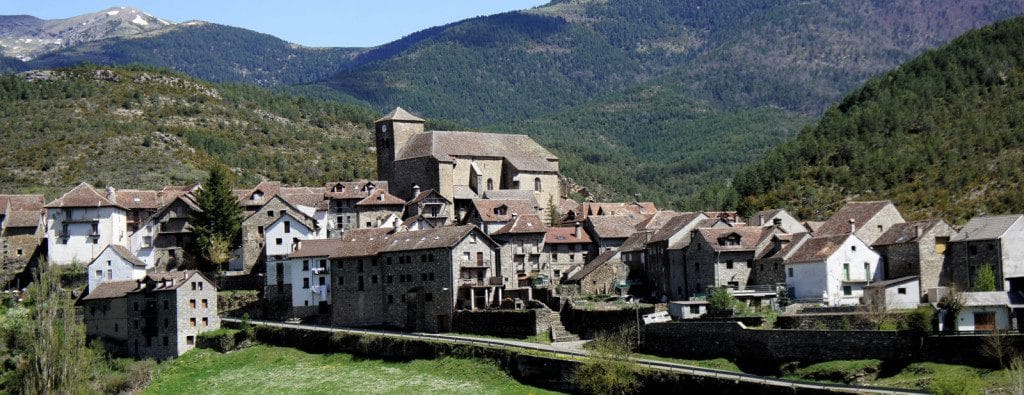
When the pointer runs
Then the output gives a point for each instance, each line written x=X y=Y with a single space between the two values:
x=608 y=369
x=221 y=340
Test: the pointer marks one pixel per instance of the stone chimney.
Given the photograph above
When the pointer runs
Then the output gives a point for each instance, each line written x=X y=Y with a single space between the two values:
x=160 y=197
x=853 y=225
x=917 y=231
x=578 y=234
x=111 y=193
x=380 y=196
x=415 y=190
x=760 y=219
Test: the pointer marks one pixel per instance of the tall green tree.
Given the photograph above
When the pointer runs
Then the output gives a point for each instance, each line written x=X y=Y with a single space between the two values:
x=985 y=280
x=218 y=224
x=58 y=360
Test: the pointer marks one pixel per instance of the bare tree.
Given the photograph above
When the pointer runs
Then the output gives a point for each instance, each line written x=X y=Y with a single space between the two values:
x=58 y=360
x=998 y=345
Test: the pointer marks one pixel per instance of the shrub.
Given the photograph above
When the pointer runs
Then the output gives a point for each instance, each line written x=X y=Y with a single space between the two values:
x=609 y=369
x=221 y=340
x=919 y=320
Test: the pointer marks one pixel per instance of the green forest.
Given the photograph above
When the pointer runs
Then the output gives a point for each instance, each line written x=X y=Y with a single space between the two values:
x=940 y=136
x=140 y=127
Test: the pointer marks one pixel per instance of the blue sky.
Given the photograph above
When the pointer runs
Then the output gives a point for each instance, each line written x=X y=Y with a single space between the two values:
x=341 y=23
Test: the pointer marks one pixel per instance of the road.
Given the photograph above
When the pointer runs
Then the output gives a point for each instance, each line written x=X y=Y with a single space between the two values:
x=574 y=349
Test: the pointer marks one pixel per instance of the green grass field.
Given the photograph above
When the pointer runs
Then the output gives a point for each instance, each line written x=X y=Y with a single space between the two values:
x=277 y=370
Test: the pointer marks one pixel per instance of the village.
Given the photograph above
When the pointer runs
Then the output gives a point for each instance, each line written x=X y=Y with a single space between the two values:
x=460 y=223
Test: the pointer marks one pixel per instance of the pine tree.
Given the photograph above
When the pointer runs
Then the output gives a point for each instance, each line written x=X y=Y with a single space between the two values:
x=219 y=221
x=553 y=215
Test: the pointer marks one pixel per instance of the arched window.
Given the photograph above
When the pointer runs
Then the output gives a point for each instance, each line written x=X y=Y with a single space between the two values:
x=536 y=184
x=490 y=184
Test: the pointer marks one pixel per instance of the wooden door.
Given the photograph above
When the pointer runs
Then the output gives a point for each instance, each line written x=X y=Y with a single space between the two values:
x=984 y=321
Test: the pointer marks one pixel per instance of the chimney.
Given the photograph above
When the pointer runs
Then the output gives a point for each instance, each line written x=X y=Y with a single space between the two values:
x=853 y=225
x=141 y=284
x=578 y=235
x=160 y=197
x=415 y=190
x=111 y=193
x=380 y=196
x=760 y=219
x=917 y=231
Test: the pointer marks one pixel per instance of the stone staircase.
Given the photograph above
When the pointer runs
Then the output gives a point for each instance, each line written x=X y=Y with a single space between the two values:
x=559 y=333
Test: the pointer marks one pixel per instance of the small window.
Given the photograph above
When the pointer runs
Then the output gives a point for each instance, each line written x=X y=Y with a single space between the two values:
x=192 y=322
x=790 y=270
x=190 y=340
x=694 y=309
x=360 y=284
x=192 y=303
x=305 y=283
x=341 y=280
x=901 y=291
x=536 y=184
x=270 y=214
x=728 y=264
x=193 y=285
x=287 y=226
x=853 y=248
x=391 y=299
x=847 y=290
x=305 y=265
x=278 y=241
x=206 y=322
x=166 y=343
x=206 y=304
x=429 y=297
x=373 y=279
x=99 y=274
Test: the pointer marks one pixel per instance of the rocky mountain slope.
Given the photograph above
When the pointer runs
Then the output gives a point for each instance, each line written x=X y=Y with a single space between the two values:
x=26 y=37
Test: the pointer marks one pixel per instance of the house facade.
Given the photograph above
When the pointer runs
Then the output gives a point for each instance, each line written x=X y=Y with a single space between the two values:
x=994 y=241
x=115 y=263
x=254 y=229
x=81 y=224
x=161 y=239
x=867 y=220
x=21 y=231
x=723 y=257
x=832 y=270
x=915 y=249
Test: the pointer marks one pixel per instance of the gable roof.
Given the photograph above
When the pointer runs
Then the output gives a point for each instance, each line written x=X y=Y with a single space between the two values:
x=565 y=235
x=520 y=151
x=22 y=219
x=795 y=241
x=861 y=212
x=517 y=194
x=818 y=248
x=906 y=232
x=352 y=189
x=139 y=198
x=124 y=254
x=313 y=200
x=399 y=114
x=485 y=208
x=895 y=281
x=425 y=239
x=613 y=226
x=674 y=225
x=597 y=208
x=22 y=202
x=980 y=299
x=637 y=241
x=83 y=195
x=118 y=289
x=986 y=227
x=288 y=204
x=750 y=237
x=522 y=224
x=425 y=194
x=593 y=265
x=380 y=197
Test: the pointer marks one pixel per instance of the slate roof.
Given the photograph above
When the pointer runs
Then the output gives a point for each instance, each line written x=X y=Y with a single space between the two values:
x=464 y=192
x=352 y=189
x=523 y=224
x=637 y=241
x=518 y=194
x=354 y=243
x=313 y=200
x=485 y=209
x=674 y=225
x=613 y=226
x=565 y=235
x=520 y=151
x=795 y=240
x=22 y=219
x=442 y=237
x=126 y=255
x=22 y=202
x=375 y=199
x=399 y=114
x=595 y=208
x=657 y=220
x=424 y=194
x=895 y=281
x=980 y=299
x=986 y=227
x=83 y=195
x=750 y=237
x=905 y=232
x=593 y=265
x=764 y=217
x=117 y=289
x=861 y=212
x=134 y=199
x=817 y=249
x=812 y=226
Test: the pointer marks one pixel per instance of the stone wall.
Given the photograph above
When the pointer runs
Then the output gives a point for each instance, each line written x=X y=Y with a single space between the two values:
x=770 y=348
x=832 y=321
x=588 y=323
x=503 y=323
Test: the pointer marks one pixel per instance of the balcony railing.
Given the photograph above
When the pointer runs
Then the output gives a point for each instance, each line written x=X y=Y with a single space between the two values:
x=319 y=271
x=474 y=263
x=481 y=282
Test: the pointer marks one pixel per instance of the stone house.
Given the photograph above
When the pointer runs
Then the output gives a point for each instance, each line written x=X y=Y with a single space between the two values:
x=724 y=257
x=254 y=230
x=779 y=218
x=915 y=249
x=415 y=279
x=601 y=275
x=493 y=214
x=158 y=316
x=141 y=204
x=609 y=232
x=588 y=209
x=664 y=256
x=343 y=197
x=895 y=294
x=461 y=165
x=522 y=257
x=115 y=263
x=81 y=224
x=380 y=209
x=21 y=231
x=996 y=241
x=161 y=239
x=832 y=269
x=430 y=206
x=769 y=267
x=867 y=220
x=565 y=247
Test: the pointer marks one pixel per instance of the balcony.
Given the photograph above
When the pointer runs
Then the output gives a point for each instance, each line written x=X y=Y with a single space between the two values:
x=474 y=263
x=319 y=271
x=481 y=282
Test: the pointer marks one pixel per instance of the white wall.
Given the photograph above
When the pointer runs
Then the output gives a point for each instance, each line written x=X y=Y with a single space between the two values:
x=1012 y=245
x=807 y=281
x=109 y=266
x=910 y=299
x=294 y=274
x=111 y=226
x=856 y=258
x=276 y=231
x=965 y=320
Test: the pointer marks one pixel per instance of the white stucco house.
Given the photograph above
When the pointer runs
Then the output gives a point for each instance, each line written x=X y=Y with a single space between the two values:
x=832 y=269
x=115 y=263
x=982 y=311
x=896 y=294
x=82 y=223
x=687 y=309
x=284 y=234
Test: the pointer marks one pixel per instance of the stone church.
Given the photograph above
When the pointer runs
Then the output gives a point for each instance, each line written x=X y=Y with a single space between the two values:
x=462 y=165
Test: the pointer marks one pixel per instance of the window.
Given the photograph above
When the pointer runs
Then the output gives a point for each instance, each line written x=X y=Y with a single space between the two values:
x=191 y=304
x=429 y=297
x=847 y=290
x=322 y=280
x=391 y=299
x=867 y=272
x=278 y=241
x=846 y=271
x=305 y=265
x=259 y=229
x=167 y=323
x=287 y=226
x=536 y=184
x=206 y=304
x=305 y=283
x=192 y=322
x=390 y=279
x=572 y=257
x=901 y=291
x=360 y=285
x=21 y=252
x=200 y=283
x=972 y=249
x=165 y=341
x=728 y=264
x=193 y=285
x=99 y=274
x=694 y=309
x=270 y=214
x=206 y=322
x=388 y=261
x=373 y=279
x=341 y=280
x=190 y=340
x=790 y=270
x=490 y=184
x=423 y=277
x=115 y=327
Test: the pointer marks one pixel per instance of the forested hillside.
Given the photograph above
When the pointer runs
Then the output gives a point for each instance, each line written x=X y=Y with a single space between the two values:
x=143 y=128
x=209 y=51
x=941 y=136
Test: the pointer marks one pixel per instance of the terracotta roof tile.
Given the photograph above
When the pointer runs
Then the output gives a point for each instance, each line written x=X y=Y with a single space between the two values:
x=523 y=224
x=861 y=212
x=381 y=198
x=905 y=232
x=83 y=195
x=566 y=235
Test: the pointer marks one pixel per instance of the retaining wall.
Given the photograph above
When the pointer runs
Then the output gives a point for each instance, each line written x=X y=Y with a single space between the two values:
x=504 y=323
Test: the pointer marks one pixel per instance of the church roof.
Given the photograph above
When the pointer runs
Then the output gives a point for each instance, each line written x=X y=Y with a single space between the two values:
x=520 y=151
x=399 y=114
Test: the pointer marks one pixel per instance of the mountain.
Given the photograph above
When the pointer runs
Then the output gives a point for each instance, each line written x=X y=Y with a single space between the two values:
x=940 y=136
x=142 y=127
x=25 y=37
